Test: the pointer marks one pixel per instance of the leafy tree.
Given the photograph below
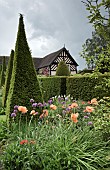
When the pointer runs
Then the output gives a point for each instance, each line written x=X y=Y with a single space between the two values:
x=3 y=71
x=100 y=18
x=24 y=84
x=0 y=72
x=62 y=69
x=92 y=48
x=8 y=78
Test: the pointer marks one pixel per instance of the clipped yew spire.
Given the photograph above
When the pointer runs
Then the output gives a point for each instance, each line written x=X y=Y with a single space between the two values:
x=24 y=83
x=8 y=78
x=62 y=69
x=3 y=71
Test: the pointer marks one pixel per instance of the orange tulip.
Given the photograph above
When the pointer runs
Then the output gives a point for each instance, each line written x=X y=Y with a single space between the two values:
x=53 y=107
x=22 y=109
x=94 y=101
x=89 y=109
x=33 y=112
x=32 y=142
x=41 y=116
x=74 y=105
x=85 y=110
x=45 y=113
x=74 y=117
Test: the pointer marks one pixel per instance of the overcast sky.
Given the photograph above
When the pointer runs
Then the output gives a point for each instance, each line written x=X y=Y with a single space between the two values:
x=49 y=24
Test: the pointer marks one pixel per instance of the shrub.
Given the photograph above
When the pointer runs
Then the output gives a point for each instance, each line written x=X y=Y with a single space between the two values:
x=62 y=69
x=101 y=118
x=3 y=71
x=24 y=83
x=8 y=78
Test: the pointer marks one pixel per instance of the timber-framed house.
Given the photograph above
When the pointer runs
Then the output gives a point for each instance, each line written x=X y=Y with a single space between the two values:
x=49 y=63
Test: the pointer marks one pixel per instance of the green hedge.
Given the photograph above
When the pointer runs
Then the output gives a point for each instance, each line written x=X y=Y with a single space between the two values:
x=52 y=86
x=79 y=87
x=84 y=87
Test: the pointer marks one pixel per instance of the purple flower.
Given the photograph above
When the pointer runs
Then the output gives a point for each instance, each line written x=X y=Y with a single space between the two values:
x=86 y=117
x=90 y=123
x=63 y=102
x=15 y=111
x=59 y=98
x=45 y=104
x=34 y=105
x=40 y=104
x=13 y=115
x=50 y=101
x=31 y=100
x=16 y=107
x=68 y=109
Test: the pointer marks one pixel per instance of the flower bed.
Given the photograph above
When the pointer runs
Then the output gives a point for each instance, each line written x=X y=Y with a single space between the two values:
x=64 y=134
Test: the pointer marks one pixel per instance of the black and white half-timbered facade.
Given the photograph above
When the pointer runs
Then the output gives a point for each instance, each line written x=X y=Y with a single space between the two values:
x=49 y=63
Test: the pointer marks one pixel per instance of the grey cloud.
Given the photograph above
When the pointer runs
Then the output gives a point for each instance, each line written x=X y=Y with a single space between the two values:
x=49 y=25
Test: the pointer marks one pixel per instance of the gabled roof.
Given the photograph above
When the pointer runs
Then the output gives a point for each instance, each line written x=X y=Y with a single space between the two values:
x=37 y=62
x=47 y=60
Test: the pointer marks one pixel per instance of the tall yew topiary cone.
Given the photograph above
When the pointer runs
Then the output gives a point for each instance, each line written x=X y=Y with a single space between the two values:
x=8 y=78
x=62 y=69
x=3 y=71
x=24 y=83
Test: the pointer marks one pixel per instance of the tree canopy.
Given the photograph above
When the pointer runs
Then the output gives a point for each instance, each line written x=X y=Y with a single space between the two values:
x=92 y=48
x=100 y=18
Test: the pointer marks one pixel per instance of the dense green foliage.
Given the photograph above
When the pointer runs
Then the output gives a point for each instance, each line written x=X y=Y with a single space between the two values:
x=57 y=141
x=3 y=71
x=102 y=118
x=52 y=86
x=8 y=78
x=62 y=69
x=24 y=84
x=84 y=87
x=0 y=70
x=100 y=18
x=63 y=149
x=92 y=48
